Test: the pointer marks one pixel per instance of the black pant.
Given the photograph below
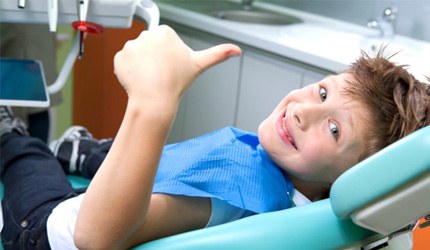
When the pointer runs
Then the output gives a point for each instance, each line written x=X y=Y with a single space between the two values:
x=34 y=184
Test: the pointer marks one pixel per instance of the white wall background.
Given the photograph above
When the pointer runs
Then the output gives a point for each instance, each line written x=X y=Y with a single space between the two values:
x=413 y=17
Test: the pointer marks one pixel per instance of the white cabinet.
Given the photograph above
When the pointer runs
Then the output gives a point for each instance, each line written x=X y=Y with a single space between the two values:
x=265 y=81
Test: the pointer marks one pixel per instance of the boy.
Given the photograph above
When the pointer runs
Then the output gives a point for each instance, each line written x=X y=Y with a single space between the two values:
x=142 y=192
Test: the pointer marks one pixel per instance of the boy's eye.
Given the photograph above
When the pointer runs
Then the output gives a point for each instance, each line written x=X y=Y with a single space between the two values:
x=323 y=93
x=334 y=130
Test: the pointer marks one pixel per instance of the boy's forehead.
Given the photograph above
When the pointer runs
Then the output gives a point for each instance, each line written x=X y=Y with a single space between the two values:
x=340 y=83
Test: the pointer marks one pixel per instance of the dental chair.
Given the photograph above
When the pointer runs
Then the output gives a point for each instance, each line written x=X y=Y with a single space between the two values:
x=374 y=205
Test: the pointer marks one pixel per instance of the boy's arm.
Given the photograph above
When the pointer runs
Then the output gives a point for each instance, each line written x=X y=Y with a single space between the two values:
x=155 y=70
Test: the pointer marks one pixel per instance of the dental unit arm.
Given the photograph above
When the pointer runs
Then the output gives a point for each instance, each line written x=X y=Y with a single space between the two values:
x=102 y=13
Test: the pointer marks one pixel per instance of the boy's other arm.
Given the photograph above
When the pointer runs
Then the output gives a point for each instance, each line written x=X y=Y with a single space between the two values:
x=155 y=70
x=171 y=214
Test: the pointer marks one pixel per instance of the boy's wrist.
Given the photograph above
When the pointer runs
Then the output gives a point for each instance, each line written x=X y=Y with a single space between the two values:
x=158 y=110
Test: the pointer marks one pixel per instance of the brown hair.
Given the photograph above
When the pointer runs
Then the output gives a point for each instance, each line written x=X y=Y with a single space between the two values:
x=398 y=103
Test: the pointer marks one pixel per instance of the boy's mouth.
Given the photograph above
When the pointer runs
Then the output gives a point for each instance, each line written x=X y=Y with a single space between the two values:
x=284 y=130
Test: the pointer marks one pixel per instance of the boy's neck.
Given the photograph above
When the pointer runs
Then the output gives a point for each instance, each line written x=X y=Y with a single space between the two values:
x=312 y=190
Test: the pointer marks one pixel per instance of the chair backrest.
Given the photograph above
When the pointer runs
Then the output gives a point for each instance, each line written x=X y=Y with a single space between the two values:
x=390 y=189
x=395 y=179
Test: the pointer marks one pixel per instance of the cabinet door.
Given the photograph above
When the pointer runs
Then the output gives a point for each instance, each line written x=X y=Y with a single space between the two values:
x=265 y=81
x=210 y=102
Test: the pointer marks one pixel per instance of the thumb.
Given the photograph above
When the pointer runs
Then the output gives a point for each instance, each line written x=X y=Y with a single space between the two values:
x=207 y=58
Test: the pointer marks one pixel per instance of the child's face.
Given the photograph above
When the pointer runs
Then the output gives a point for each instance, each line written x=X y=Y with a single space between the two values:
x=315 y=133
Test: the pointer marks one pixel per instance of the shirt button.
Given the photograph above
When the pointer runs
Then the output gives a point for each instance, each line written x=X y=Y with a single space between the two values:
x=24 y=223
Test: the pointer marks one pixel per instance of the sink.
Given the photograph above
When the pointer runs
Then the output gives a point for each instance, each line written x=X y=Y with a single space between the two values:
x=324 y=40
x=256 y=16
x=234 y=11
x=345 y=46
x=330 y=39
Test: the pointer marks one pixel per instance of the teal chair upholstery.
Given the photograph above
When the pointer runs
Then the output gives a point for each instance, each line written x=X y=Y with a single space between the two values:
x=391 y=189
x=399 y=174
x=363 y=208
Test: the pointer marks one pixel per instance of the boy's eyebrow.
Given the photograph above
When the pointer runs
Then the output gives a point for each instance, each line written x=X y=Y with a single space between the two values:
x=350 y=120
x=347 y=114
x=352 y=131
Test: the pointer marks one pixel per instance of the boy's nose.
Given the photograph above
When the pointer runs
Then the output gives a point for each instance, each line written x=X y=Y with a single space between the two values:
x=306 y=114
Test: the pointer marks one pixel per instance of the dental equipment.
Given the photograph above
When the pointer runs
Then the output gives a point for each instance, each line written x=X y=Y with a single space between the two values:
x=81 y=26
x=105 y=13
x=21 y=4
x=53 y=14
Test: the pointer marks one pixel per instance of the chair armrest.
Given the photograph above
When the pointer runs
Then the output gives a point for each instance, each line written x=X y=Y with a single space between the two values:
x=313 y=226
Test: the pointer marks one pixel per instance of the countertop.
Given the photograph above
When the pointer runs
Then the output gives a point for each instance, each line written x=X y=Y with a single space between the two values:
x=325 y=54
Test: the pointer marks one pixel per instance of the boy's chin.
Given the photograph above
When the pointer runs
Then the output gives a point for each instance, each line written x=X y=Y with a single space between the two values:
x=262 y=130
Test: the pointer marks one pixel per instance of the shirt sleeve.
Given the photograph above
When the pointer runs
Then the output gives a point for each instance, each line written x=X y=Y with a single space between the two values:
x=222 y=212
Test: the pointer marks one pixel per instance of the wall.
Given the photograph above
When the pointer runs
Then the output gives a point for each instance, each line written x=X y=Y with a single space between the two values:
x=99 y=101
x=413 y=15
x=92 y=97
x=62 y=114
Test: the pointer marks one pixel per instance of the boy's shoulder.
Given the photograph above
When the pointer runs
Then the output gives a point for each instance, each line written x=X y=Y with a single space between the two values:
x=233 y=134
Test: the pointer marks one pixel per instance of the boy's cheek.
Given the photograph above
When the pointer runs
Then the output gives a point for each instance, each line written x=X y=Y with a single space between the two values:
x=316 y=153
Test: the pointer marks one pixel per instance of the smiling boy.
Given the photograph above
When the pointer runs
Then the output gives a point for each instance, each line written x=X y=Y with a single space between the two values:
x=143 y=190
x=315 y=134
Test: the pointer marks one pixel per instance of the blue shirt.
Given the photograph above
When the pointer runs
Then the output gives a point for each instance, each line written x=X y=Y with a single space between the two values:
x=228 y=164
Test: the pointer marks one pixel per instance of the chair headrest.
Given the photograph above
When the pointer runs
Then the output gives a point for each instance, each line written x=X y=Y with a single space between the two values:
x=383 y=173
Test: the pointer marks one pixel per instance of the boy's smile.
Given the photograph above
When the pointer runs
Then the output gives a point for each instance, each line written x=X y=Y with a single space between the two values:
x=283 y=128
x=316 y=133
